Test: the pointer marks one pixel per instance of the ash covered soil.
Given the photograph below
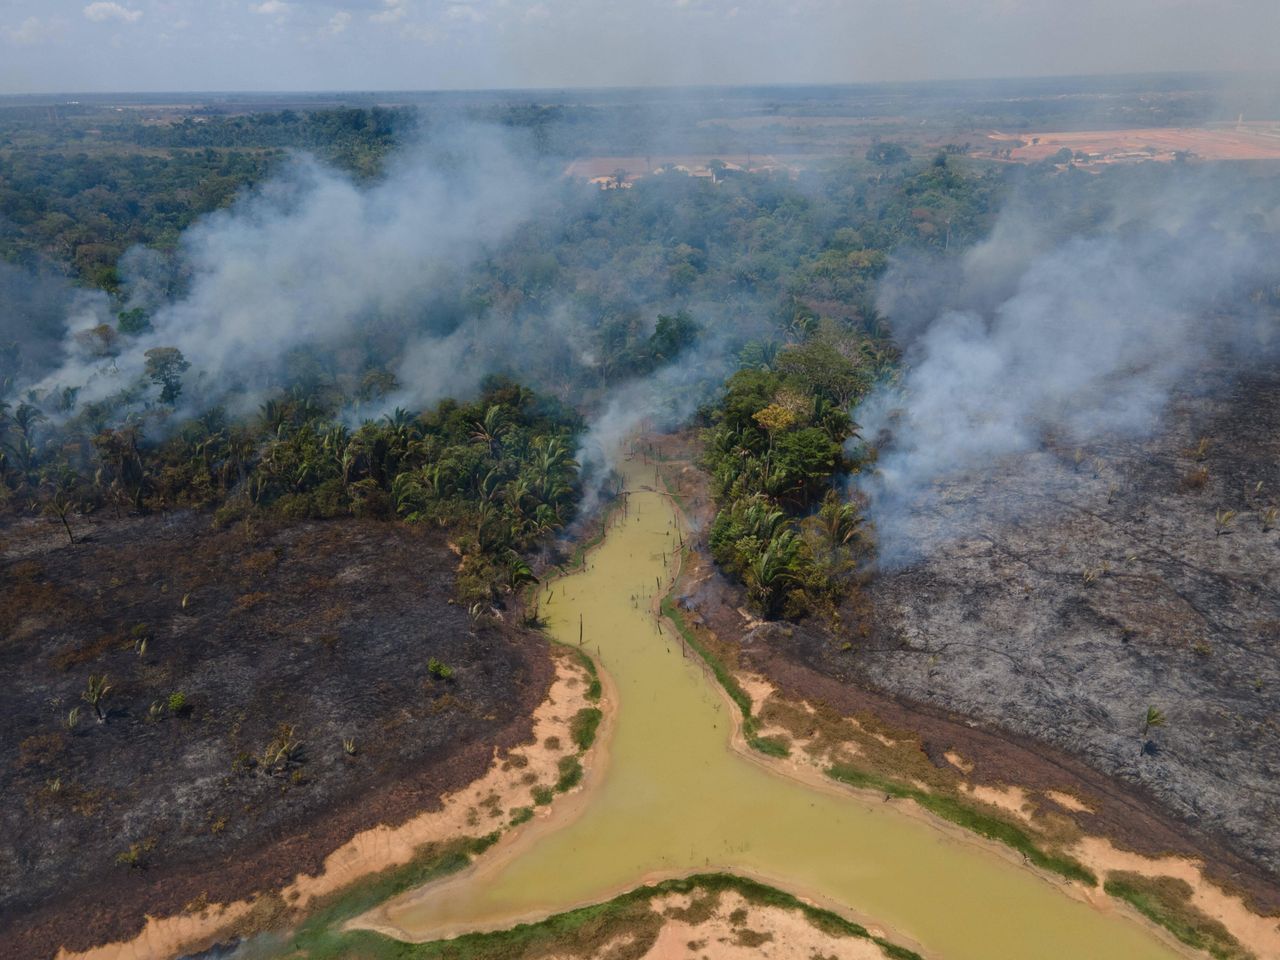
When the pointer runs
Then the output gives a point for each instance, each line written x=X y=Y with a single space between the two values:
x=1069 y=590
x=330 y=628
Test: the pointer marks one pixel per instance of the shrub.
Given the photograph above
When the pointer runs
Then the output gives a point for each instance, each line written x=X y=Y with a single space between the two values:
x=542 y=795
x=583 y=726
x=439 y=670
x=570 y=774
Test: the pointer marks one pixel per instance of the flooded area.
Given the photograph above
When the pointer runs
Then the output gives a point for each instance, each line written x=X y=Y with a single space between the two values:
x=671 y=796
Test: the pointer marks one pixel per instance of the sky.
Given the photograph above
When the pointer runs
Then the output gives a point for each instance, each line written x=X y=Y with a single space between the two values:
x=49 y=46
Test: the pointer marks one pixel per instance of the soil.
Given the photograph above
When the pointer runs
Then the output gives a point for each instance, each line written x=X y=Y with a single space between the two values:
x=1005 y=625
x=994 y=649
x=734 y=928
x=332 y=628
x=1244 y=141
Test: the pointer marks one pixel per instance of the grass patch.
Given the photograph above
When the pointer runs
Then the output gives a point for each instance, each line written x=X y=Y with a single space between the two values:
x=673 y=492
x=542 y=795
x=770 y=746
x=593 y=684
x=1167 y=901
x=583 y=727
x=521 y=815
x=587 y=930
x=949 y=808
x=319 y=938
x=570 y=774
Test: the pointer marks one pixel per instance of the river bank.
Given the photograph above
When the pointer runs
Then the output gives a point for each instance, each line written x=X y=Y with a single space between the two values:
x=464 y=900
x=678 y=798
x=1048 y=797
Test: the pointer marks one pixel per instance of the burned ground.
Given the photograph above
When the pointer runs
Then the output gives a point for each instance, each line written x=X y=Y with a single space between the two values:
x=213 y=642
x=1082 y=587
x=1089 y=586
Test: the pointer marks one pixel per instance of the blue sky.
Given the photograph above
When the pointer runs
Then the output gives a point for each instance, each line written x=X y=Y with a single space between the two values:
x=118 y=45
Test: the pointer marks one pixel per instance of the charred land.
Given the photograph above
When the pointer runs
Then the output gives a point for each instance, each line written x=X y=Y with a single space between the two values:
x=273 y=691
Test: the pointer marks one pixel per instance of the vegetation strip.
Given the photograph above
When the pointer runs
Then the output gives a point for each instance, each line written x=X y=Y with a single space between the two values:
x=587 y=927
x=1167 y=902
x=965 y=816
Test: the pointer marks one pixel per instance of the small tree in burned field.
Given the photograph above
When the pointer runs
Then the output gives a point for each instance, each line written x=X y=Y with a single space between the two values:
x=95 y=694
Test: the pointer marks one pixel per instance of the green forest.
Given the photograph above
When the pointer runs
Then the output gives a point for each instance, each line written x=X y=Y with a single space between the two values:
x=773 y=274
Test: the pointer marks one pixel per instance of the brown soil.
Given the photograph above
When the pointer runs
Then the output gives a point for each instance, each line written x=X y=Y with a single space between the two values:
x=1250 y=141
x=327 y=626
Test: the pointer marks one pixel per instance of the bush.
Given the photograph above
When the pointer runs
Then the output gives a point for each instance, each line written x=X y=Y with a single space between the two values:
x=583 y=726
x=570 y=774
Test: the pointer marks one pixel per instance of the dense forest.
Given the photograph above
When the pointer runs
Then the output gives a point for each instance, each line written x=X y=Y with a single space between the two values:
x=766 y=278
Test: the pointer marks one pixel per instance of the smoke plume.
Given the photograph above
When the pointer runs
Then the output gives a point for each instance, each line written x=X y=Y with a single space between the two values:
x=314 y=259
x=1053 y=328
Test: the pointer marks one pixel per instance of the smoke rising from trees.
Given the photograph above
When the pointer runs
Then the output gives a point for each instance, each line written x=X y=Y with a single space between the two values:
x=1070 y=327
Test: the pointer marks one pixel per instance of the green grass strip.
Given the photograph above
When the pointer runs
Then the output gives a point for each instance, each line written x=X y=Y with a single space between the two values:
x=1166 y=901
x=949 y=808
x=319 y=937
x=593 y=925
x=722 y=674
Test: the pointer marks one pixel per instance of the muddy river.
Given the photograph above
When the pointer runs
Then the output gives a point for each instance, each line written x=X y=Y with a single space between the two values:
x=669 y=796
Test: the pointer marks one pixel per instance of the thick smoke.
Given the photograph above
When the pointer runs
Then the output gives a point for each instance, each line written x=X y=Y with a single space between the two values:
x=1070 y=332
x=36 y=309
x=314 y=259
x=316 y=277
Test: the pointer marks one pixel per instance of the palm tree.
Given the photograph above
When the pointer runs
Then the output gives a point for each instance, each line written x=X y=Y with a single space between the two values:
x=518 y=571
x=772 y=570
x=60 y=505
x=95 y=693
x=840 y=522
x=1154 y=718
x=490 y=429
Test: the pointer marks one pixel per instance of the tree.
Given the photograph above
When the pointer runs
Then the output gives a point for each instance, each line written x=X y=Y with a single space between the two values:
x=886 y=154
x=95 y=694
x=1154 y=718
x=133 y=322
x=59 y=505
x=165 y=367
x=671 y=334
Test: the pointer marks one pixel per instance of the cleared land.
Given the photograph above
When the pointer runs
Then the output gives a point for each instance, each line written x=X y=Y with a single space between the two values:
x=1250 y=141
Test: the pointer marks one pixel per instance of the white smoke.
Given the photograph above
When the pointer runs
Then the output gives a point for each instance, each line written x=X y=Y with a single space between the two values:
x=1082 y=336
x=314 y=258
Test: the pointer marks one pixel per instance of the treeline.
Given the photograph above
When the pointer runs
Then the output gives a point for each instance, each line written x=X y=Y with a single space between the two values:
x=356 y=139
x=85 y=211
x=499 y=471
x=776 y=454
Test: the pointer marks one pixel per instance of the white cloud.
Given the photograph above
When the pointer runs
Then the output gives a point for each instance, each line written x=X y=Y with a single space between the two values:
x=393 y=10
x=339 y=22
x=106 y=10
x=31 y=31
x=269 y=8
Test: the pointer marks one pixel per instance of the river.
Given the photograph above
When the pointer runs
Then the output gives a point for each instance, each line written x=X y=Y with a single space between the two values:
x=670 y=796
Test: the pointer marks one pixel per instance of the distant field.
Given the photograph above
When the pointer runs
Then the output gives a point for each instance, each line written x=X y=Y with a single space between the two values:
x=698 y=164
x=1249 y=141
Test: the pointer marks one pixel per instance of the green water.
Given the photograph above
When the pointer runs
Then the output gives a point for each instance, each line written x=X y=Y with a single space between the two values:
x=674 y=799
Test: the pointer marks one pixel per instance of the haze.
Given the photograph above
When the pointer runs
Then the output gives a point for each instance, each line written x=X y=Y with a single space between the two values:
x=166 y=45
